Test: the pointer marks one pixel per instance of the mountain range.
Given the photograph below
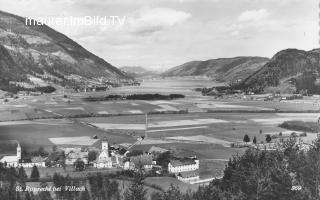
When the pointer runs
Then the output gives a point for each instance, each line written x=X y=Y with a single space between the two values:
x=221 y=69
x=139 y=72
x=40 y=52
x=288 y=71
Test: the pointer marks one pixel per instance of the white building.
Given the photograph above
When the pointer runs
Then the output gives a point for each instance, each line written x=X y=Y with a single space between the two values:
x=17 y=161
x=188 y=177
x=35 y=161
x=12 y=161
x=103 y=160
x=72 y=157
x=183 y=165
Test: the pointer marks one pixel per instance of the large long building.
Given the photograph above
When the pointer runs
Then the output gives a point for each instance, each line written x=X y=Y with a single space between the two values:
x=183 y=165
x=185 y=169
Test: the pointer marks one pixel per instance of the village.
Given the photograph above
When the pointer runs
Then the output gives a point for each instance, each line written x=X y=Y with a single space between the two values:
x=156 y=160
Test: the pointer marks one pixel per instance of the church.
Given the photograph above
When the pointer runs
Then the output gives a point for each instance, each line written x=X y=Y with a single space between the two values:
x=103 y=160
x=18 y=161
x=12 y=161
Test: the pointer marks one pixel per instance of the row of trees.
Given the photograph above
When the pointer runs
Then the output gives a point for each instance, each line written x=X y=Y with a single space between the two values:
x=246 y=139
x=135 y=97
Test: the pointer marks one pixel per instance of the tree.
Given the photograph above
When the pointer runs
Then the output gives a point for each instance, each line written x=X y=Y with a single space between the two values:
x=54 y=148
x=44 y=195
x=254 y=140
x=156 y=196
x=84 y=195
x=260 y=131
x=136 y=190
x=268 y=138
x=92 y=155
x=173 y=193
x=41 y=152
x=79 y=165
x=35 y=175
x=164 y=159
x=22 y=174
x=134 y=153
x=246 y=138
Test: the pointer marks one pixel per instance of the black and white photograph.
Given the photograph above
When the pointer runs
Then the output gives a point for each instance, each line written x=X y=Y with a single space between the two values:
x=159 y=99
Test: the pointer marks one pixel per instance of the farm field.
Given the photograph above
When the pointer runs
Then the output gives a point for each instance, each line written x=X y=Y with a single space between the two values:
x=33 y=134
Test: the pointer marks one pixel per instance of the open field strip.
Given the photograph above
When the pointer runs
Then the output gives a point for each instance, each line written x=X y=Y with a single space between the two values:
x=314 y=116
x=84 y=140
x=177 y=129
x=10 y=123
x=154 y=141
x=107 y=102
x=185 y=122
x=74 y=108
x=217 y=105
x=6 y=106
x=120 y=126
x=212 y=105
x=284 y=133
x=50 y=111
x=161 y=124
x=271 y=121
x=161 y=102
x=41 y=122
x=51 y=103
x=200 y=138
x=166 y=108
x=135 y=111
x=103 y=112
x=276 y=121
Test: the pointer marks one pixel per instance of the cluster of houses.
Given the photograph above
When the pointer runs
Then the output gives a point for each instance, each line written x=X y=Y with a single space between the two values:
x=185 y=169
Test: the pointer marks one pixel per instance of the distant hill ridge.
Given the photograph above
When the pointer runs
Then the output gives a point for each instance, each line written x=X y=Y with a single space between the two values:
x=221 y=69
x=288 y=68
x=138 y=72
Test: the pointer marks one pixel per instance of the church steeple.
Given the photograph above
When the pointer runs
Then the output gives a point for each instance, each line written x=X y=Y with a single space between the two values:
x=104 y=145
x=18 y=151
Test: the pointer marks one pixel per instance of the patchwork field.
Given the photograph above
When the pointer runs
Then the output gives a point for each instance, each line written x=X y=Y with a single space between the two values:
x=81 y=141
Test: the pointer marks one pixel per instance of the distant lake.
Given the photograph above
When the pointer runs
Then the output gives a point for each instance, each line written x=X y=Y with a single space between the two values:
x=167 y=86
x=185 y=84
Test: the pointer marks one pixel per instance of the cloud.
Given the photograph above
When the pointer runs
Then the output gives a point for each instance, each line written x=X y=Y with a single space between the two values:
x=253 y=15
x=150 y=20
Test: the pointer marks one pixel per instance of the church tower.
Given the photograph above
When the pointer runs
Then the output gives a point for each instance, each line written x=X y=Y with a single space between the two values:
x=18 y=151
x=104 y=145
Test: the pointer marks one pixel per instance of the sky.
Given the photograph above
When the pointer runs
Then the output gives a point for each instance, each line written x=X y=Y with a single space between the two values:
x=160 y=34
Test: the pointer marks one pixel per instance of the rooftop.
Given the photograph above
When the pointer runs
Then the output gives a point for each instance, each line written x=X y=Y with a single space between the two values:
x=155 y=149
x=76 y=155
x=9 y=159
x=189 y=174
x=142 y=160
x=182 y=162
